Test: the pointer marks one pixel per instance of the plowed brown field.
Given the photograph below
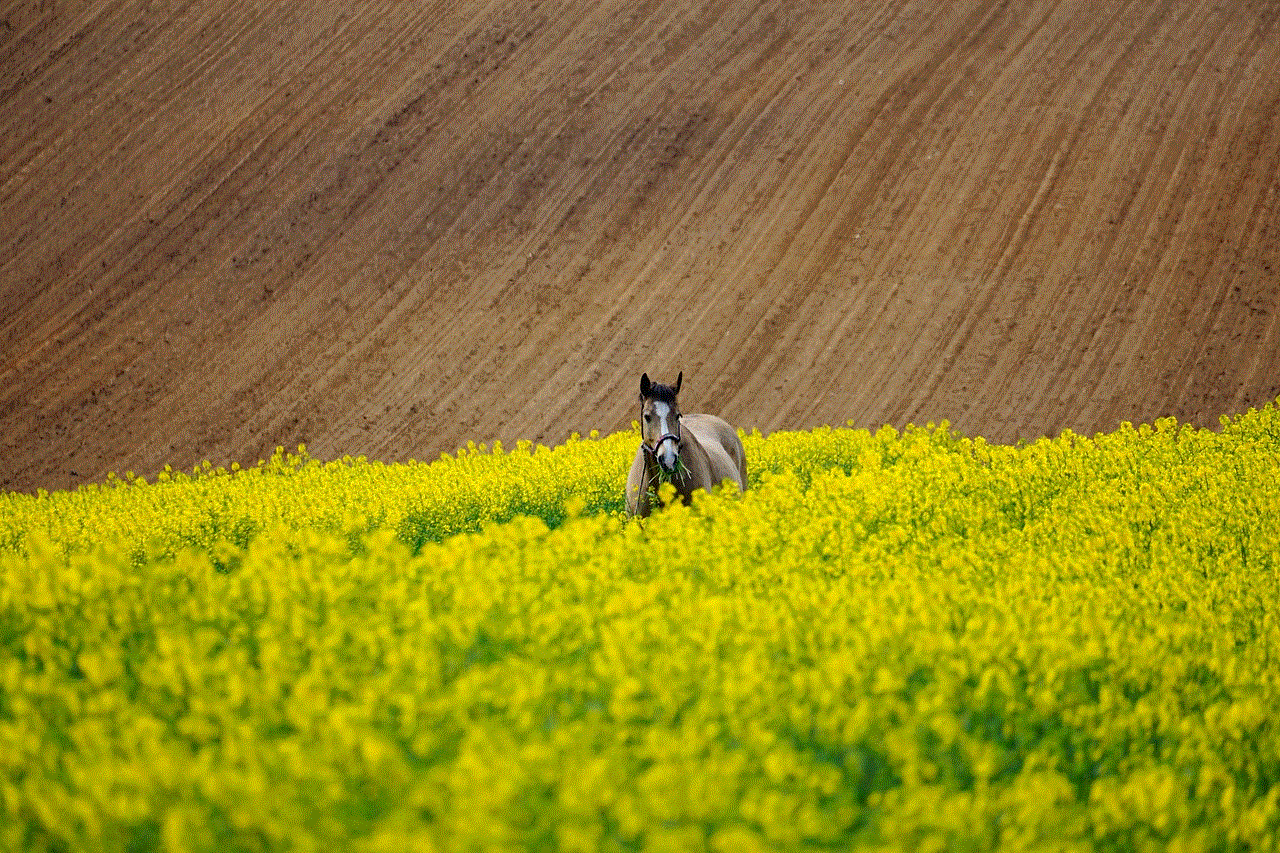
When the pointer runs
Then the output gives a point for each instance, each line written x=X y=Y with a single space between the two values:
x=389 y=228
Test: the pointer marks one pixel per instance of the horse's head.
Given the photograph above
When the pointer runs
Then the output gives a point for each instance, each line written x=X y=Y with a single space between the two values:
x=660 y=421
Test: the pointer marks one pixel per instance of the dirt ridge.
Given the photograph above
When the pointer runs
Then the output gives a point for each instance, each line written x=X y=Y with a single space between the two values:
x=388 y=229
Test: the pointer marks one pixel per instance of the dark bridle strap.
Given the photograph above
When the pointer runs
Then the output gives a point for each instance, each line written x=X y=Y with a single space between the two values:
x=653 y=451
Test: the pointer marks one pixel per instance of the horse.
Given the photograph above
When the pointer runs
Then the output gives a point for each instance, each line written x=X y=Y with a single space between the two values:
x=691 y=451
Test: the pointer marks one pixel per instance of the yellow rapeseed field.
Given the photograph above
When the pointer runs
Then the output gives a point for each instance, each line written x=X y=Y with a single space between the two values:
x=908 y=641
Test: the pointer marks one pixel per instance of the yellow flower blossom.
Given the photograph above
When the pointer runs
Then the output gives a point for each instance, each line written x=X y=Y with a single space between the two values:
x=899 y=640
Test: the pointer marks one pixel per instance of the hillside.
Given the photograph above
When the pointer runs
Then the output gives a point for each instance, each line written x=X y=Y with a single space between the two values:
x=388 y=229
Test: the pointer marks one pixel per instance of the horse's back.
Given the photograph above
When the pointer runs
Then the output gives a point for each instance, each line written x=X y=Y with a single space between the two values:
x=722 y=445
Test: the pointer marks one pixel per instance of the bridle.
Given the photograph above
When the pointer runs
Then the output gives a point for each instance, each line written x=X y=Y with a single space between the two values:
x=657 y=445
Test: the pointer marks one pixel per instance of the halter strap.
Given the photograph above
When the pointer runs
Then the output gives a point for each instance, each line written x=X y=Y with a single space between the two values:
x=658 y=444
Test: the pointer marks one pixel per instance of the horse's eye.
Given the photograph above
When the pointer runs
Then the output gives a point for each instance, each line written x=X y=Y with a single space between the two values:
x=648 y=418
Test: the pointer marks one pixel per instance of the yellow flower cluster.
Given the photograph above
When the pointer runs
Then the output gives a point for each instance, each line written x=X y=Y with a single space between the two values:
x=210 y=507
x=891 y=641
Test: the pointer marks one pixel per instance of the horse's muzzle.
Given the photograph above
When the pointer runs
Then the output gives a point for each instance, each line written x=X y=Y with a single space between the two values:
x=656 y=452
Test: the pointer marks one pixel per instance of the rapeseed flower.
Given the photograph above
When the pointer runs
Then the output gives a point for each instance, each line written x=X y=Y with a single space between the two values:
x=895 y=640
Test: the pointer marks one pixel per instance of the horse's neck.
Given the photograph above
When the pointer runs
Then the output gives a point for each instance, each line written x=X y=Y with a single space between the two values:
x=693 y=454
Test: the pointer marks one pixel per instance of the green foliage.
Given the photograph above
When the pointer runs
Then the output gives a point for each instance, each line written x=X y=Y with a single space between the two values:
x=891 y=641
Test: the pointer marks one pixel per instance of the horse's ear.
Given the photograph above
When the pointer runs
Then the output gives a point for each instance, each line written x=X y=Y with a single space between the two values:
x=645 y=385
x=679 y=379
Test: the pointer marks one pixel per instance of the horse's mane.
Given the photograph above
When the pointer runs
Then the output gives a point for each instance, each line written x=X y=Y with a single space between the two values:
x=662 y=393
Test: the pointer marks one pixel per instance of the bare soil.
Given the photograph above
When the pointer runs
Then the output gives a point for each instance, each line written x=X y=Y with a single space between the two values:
x=390 y=228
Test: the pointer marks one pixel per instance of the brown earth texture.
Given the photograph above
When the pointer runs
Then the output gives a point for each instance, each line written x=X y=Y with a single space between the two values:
x=390 y=228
